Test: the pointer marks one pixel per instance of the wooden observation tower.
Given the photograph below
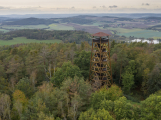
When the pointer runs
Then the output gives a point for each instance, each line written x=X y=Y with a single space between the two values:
x=100 y=64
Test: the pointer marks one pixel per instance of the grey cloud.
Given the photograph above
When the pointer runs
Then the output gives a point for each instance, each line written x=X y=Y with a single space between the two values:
x=103 y=6
x=94 y=7
x=114 y=6
x=73 y=7
x=145 y=4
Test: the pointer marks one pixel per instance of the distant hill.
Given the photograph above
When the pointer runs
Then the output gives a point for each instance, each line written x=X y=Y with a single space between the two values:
x=129 y=15
x=77 y=20
x=109 y=17
x=3 y=18
x=124 y=19
x=84 y=16
x=30 y=21
x=39 y=15
x=152 y=18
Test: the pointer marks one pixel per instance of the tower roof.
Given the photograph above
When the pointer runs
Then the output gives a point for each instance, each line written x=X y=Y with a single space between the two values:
x=100 y=34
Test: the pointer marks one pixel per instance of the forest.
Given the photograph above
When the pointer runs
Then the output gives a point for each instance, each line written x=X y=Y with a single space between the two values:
x=37 y=21
x=65 y=36
x=30 y=21
x=40 y=81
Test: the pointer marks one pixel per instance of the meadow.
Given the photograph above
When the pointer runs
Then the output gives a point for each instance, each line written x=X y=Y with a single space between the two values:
x=123 y=30
x=139 y=33
x=60 y=27
x=142 y=33
x=20 y=40
x=6 y=28
x=94 y=24
x=3 y=30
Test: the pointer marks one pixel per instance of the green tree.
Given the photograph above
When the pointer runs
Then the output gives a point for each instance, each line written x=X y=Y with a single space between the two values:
x=82 y=45
x=150 y=108
x=120 y=56
x=25 y=86
x=113 y=93
x=78 y=92
x=39 y=104
x=15 y=67
x=5 y=102
x=144 y=87
x=101 y=114
x=127 y=81
x=113 y=43
x=128 y=76
x=3 y=81
x=67 y=70
x=154 y=81
x=122 y=109
x=34 y=62
x=108 y=105
x=4 y=85
x=82 y=60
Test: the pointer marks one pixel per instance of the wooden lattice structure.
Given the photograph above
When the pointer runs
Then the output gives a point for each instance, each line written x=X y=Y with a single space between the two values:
x=100 y=64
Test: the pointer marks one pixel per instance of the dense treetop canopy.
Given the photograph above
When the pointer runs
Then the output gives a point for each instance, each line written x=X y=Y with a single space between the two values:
x=41 y=81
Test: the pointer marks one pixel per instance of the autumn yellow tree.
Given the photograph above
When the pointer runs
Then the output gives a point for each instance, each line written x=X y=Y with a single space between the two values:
x=20 y=102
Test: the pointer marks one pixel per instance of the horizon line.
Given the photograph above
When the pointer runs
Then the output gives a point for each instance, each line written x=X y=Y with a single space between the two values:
x=80 y=13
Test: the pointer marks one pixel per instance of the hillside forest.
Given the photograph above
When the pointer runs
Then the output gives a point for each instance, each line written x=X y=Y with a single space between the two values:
x=40 y=81
x=123 y=27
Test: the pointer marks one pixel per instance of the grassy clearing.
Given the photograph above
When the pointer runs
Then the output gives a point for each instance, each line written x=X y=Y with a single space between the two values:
x=60 y=27
x=19 y=40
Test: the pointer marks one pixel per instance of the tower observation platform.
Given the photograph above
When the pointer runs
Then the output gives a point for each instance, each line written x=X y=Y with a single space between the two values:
x=100 y=63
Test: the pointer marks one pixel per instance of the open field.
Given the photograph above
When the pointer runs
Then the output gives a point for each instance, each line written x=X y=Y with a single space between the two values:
x=135 y=32
x=60 y=27
x=156 y=38
x=20 y=40
x=89 y=29
x=123 y=30
x=3 y=30
x=94 y=24
x=7 y=28
x=142 y=33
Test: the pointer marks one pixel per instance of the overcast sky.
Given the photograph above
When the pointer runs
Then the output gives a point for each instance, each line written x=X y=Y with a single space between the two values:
x=79 y=6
